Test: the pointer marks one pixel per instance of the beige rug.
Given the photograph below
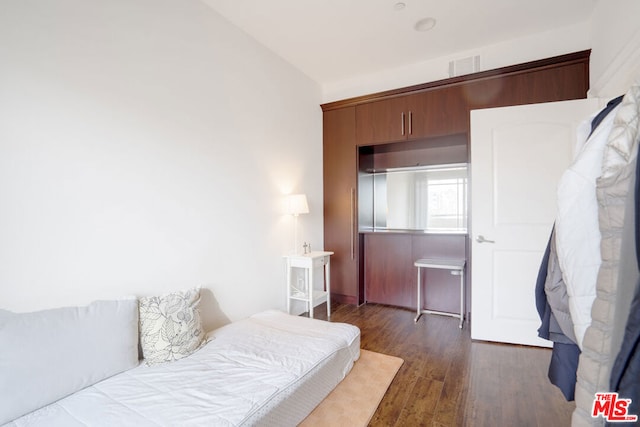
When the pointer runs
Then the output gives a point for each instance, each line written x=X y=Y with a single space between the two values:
x=354 y=401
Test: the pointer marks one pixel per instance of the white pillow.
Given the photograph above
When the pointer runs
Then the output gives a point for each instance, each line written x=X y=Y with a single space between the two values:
x=170 y=326
x=47 y=355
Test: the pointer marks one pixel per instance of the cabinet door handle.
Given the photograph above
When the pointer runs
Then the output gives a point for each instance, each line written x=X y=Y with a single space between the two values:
x=402 y=122
x=351 y=237
x=410 y=123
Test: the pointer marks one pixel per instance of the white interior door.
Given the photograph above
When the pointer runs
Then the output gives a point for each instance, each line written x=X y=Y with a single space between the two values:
x=517 y=157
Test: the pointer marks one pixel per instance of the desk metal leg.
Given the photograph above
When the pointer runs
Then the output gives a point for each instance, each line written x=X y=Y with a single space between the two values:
x=420 y=311
x=419 y=305
x=461 y=298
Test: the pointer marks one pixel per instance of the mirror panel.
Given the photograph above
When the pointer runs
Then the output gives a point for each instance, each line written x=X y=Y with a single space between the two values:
x=428 y=199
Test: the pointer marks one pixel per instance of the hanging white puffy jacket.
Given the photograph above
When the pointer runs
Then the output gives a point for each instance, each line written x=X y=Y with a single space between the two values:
x=577 y=231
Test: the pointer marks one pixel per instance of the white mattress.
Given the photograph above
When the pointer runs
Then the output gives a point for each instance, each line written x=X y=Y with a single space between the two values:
x=269 y=369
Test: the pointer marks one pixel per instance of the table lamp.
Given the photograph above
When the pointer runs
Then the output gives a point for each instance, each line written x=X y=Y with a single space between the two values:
x=296 y=204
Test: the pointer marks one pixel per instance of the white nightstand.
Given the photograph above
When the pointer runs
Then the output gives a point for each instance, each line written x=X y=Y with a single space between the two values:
x=311 y=296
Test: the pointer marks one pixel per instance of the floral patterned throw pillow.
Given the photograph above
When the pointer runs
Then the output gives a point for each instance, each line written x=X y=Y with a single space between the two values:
x=170 y=326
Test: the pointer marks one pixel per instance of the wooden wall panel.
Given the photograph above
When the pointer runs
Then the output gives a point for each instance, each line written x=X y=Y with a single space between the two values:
x=391 y=278
x=388 y=271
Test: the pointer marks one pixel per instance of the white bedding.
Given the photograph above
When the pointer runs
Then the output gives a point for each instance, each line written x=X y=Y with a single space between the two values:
x=269 y=369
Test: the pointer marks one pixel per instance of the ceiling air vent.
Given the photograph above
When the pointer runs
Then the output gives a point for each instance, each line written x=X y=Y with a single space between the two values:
x=462 y=66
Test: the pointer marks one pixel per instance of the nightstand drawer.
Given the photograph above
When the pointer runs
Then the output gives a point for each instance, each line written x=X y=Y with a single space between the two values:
x=320 y=262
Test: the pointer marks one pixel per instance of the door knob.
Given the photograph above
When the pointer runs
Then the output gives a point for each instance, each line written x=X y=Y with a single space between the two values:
x=481 y=239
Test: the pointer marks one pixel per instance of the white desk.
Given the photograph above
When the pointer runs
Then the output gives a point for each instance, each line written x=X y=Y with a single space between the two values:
x=313 y=297
x=457 y=268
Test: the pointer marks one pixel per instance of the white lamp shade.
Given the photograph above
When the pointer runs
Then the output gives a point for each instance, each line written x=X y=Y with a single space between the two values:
x=296 y=204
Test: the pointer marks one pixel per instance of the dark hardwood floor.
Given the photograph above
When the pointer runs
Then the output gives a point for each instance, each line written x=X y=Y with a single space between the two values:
x=449 y=380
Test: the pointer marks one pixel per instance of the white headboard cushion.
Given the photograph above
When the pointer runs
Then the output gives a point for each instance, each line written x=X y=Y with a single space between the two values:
x=47 y=355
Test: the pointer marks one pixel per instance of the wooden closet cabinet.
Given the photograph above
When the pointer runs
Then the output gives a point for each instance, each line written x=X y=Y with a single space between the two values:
x=340 y=208
x=431 y=117
x=420 y=115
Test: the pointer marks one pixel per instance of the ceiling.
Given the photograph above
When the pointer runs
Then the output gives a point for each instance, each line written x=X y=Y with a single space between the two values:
x=333 y=40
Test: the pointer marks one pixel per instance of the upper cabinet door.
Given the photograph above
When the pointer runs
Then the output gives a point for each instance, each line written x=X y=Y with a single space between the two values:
x=381 y=121
x=437 y=112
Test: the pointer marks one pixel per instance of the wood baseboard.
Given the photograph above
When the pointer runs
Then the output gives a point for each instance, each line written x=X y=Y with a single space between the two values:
x=344 y=299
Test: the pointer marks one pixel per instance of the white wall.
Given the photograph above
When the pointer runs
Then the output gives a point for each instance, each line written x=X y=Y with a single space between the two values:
x=144 y=147
x=615 y=38
x=558 y=42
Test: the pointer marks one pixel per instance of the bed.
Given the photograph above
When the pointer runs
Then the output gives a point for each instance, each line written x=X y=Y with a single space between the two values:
x=269 y=369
